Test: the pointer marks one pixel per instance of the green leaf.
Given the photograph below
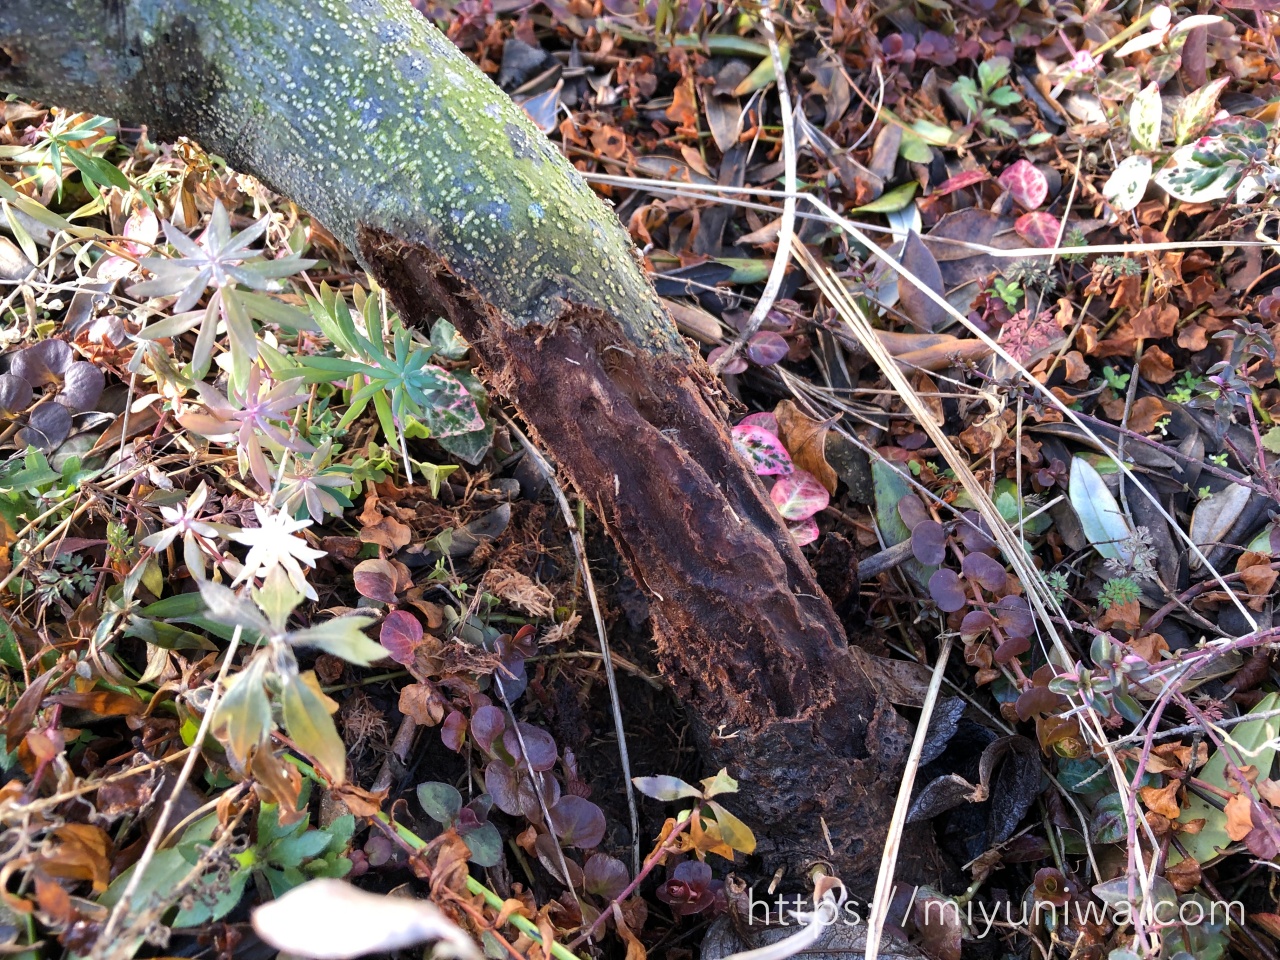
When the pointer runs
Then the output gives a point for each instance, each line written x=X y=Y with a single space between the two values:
x=1108 y=824
x=891 y=202
x=485 y=845
x=343 y=638
x=307 y=719
x=1144 y=117
x=225 y=606
x=1104 y=523
x=98 y=170
x=441 y=801
x=243 y=717
x=294 y=851
x=720 y=783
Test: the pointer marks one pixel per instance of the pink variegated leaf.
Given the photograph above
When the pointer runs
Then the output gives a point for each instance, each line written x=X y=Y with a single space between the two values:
x=799 y=495
x=968 y=178
x=804 y=532
x=1025 y=183
x=765 y=419
x=1039 y=229
x=762 y=450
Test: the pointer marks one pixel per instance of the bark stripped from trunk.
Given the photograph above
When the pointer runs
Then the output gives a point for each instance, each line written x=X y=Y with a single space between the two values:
x=364 y=114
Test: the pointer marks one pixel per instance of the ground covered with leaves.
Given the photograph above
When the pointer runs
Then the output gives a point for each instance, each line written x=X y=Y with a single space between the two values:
x=995 y=290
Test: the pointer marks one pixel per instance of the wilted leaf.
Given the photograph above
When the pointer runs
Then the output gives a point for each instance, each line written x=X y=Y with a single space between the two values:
x=331 y=920
x=923 y=311
x=665 y=788
x=1214 y=516
x=343 y=637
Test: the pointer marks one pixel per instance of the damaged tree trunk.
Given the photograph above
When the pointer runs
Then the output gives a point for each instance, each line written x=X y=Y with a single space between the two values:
x=365 y=115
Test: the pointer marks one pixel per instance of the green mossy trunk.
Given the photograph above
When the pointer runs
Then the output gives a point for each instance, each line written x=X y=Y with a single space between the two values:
x=368 y=117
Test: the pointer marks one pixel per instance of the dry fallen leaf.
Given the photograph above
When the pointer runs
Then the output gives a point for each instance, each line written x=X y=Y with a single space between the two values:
x=805 y=439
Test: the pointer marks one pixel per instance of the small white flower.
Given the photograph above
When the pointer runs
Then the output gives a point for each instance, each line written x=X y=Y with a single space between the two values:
x=183 y=521
x=273 y=544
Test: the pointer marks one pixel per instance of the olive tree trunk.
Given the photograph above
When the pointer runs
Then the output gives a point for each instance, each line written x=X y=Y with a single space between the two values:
x=367 y=116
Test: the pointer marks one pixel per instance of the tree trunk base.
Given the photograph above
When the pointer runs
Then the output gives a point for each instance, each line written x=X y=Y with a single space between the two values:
x=743 y=633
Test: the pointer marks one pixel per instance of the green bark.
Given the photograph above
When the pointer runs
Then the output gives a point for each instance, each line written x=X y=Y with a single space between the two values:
x=363 y=113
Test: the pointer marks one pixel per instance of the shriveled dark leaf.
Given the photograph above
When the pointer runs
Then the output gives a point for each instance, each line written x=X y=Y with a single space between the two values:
x=47 y=426
x=541 y=746
x=940 y=795
x=42 y=364
x=922 y=310
x=487 y=724
x=929 y=542
x=577 y=822
x=15 y=394
x=1010 y=767
x=81 y=387
x=605 y=876
x=555 y=863
x=985 y=570
x=947 y=590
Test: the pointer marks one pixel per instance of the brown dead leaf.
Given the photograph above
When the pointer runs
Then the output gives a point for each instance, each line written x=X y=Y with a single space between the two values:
x=1239 y=811
x=1193 y=337
x=79 y=852
x=104 y=703
x=1077 y=369
x=805 y=439
x=386 y=532
x=1184 y=875
x=610 y=141
x=1156 y=365
x=1155 y=322
x=1257 y=576
x=1269 y=790
x=422 y=703
x=360 y=802
x=1149 y=647
x=1162 y=800
x=1146 y=413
